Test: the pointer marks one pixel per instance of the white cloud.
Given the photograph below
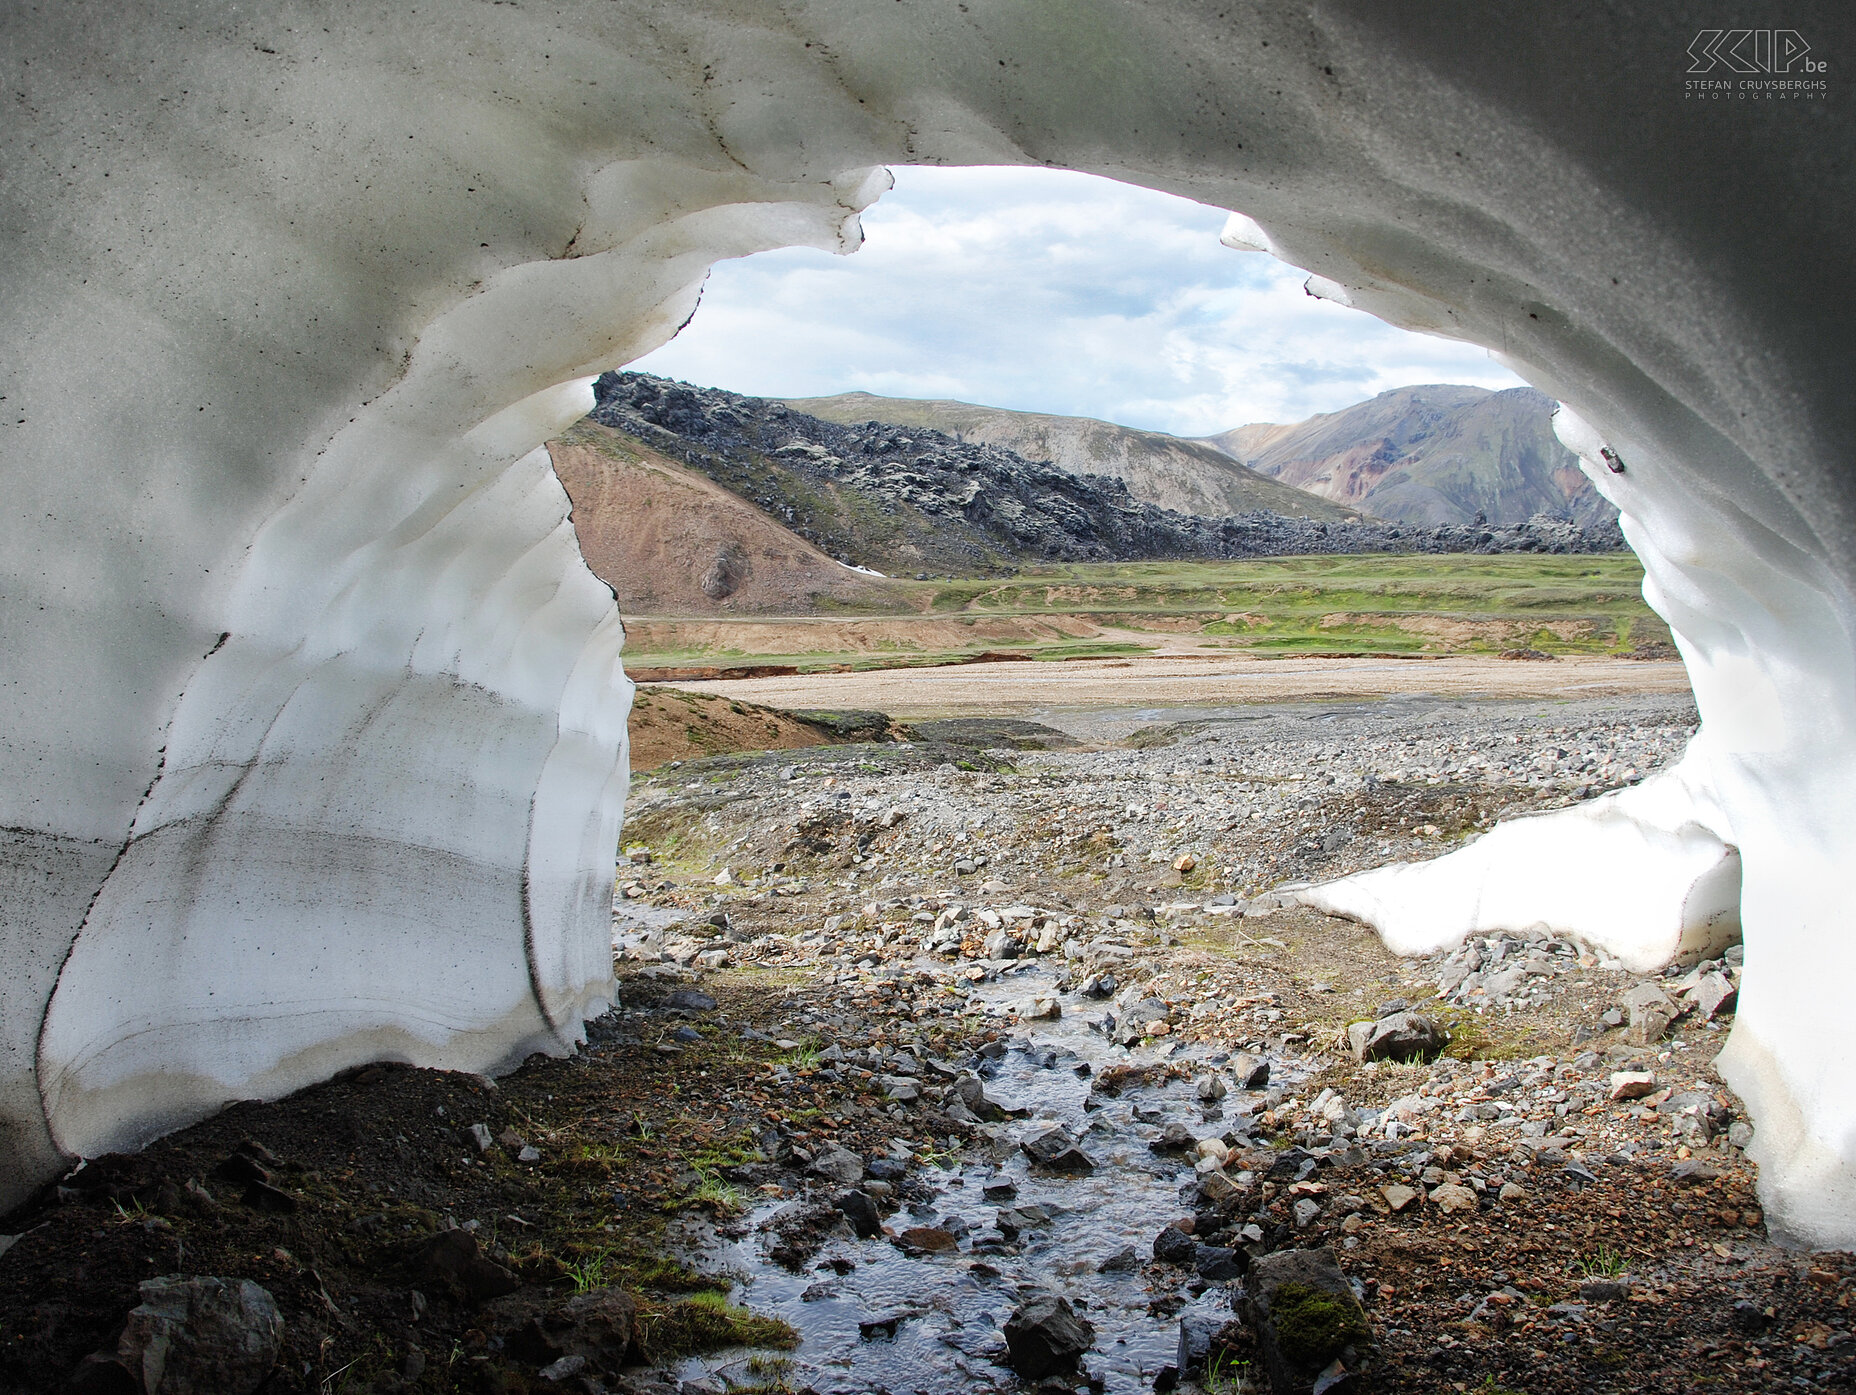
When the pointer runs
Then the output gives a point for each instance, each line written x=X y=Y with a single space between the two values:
x=1051 y=291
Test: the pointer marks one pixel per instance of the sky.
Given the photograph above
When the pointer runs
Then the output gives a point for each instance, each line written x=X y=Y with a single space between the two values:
x=1051 y=291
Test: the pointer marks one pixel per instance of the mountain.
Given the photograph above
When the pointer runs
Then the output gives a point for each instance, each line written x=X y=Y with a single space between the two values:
x=900 y=500
x=1193 y=477
x=670 y=541
x=1437 y=454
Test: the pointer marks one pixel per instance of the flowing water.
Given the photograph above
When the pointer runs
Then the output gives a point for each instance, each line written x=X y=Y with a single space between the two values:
x=875 y=1319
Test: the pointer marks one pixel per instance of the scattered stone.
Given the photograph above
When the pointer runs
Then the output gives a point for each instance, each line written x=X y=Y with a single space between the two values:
x=1603 y=1291
x=1713 y=995
x=1632 y=1084
x=690 y=1000
x=1398 y=1196
x=1044 y=1336
x=1512 y=1192
x=1651 y=1013
x=480 y=1136
x=838 y=1165
x=1451 y=1198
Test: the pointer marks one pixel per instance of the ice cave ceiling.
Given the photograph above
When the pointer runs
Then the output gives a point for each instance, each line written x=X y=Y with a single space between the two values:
x=313 y=719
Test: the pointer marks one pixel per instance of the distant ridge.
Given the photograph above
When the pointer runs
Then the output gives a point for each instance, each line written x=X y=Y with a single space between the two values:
x=1186 y=476
x=911 y=501
x=1439 y=454
x=1443 y=453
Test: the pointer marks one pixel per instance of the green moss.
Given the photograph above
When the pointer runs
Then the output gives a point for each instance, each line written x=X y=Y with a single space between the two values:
x=707 y=1322
x=1312 y=1325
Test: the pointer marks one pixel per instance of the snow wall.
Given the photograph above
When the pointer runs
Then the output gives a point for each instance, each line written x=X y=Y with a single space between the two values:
x=312 y=718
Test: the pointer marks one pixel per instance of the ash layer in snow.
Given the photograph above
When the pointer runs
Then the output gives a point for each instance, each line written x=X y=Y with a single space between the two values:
x=978 y=505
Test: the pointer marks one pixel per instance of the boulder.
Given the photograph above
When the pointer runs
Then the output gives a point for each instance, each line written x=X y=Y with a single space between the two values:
x=1310 y=1329
x=1402 y=1036
x=201 y=1336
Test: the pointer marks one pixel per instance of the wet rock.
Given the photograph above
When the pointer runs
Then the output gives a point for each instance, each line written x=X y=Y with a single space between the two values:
x=1123 y=1261
x=1201 y=1334
x=1250 y=1072
x=1215 y=1189
x=1310 y=1328
x=928 y=1239
x=838 y=1165
x=971 y=1092
x=1174 y=1246
x=452 y=1260
x=1216 y=1263
x=1045 y=1336
x=201 y=1336
x=1039 y=1007
x=861 y=1211
x=1175 y=1138
x=1403 y=1036
x=1211 y=1088
x=1056 y=1149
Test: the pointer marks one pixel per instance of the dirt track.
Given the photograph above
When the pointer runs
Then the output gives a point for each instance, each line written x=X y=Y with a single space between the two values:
x=1194 y=680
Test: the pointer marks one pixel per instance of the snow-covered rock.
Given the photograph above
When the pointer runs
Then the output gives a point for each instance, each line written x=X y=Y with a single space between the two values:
x=312 y=720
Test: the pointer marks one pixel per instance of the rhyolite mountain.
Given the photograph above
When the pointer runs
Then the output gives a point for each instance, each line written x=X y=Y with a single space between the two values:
x=902 y=500
x=1432 y=455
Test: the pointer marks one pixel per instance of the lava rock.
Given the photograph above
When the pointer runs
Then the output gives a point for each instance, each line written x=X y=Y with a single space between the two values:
x=1310 y=1328
x=201 y=1336
x=1215 y=1263
x=860 y=1210
x=593 y=1329
x=1173 y=1246
x=451 y=1259
x=1056 y=1149
x=1045 y=1336
x=839 y=1165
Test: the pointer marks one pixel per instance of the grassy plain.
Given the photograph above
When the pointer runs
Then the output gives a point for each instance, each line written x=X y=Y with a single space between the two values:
x=1347 y=605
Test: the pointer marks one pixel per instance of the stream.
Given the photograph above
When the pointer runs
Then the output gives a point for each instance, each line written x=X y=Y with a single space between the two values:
x=876 y=1319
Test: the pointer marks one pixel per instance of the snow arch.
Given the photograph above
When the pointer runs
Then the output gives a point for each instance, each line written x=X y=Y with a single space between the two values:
x=312 y=719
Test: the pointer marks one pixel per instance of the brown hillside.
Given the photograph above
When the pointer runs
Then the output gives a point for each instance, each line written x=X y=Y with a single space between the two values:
x=668 y=541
